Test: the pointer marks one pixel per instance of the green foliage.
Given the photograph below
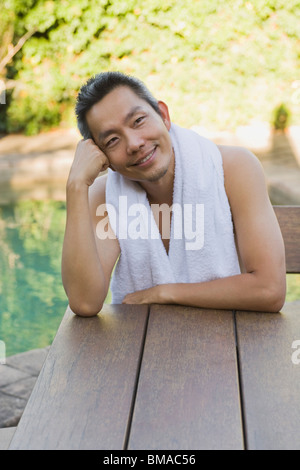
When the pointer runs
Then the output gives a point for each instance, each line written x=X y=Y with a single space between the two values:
x=293 y=287
x=281 y=117
x=216 y=63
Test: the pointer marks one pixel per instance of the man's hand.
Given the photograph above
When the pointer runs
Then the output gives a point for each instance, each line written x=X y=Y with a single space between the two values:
x=153 y=295
x=88 y=162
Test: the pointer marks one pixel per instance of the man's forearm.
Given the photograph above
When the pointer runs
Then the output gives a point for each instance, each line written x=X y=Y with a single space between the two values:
x=247 y=291
x=241 y=292
x=82 y=273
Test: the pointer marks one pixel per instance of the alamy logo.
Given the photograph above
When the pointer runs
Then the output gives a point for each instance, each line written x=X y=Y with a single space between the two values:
x=296 y=354
x=2 y=352
x=136 y=222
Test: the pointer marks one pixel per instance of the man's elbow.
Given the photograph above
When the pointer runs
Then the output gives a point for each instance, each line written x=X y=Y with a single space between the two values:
x=275 y=298
x=84 y=309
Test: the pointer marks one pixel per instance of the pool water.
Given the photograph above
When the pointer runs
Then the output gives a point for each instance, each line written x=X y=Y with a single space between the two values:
x=32 y=298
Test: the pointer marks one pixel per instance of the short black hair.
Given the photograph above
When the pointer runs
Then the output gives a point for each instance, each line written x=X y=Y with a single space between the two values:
x=98 y=86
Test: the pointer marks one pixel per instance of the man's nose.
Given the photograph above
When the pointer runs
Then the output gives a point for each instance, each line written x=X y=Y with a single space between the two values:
x=134 y=142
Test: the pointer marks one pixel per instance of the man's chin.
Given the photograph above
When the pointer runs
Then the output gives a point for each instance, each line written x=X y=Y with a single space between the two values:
x=156 y=176
x=151 y=177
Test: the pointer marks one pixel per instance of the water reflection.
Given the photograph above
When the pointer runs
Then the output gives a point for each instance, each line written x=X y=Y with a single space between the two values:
x=32 y=299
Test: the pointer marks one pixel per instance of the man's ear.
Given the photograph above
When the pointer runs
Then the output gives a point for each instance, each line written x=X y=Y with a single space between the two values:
x=164 y=111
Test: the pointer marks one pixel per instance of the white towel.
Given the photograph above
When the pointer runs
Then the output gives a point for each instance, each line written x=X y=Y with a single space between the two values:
x=202 y=245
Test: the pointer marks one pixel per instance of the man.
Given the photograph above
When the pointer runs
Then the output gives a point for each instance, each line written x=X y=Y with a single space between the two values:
x=151 y=163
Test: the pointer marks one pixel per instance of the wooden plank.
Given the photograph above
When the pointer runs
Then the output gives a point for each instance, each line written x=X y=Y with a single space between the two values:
x=6 y=435
x=83 y=396
x=188 y=396
x=289 y=221
x=270 y=380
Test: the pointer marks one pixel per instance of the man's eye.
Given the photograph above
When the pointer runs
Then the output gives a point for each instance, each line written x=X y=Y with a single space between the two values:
x=111 y=142
x=139 y=119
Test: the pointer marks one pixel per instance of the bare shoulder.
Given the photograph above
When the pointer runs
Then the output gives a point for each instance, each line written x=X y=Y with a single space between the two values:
x=235 y=157
x=243 y=172
x=97 y=192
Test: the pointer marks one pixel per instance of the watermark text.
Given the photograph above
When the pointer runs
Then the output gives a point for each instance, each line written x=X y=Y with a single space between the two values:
x=296 y=353
x=135 y=221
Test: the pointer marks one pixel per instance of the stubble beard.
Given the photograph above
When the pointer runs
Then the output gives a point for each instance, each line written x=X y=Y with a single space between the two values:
x=157 y=175
x=161 y=172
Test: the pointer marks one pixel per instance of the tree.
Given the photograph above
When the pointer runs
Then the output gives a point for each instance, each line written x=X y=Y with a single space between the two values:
x=214 y=62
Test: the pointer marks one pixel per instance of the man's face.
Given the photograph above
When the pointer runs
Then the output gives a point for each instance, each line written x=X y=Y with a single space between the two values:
x=132 y=135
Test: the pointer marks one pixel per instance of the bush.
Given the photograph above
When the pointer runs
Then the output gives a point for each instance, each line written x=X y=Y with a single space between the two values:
x=281 y=117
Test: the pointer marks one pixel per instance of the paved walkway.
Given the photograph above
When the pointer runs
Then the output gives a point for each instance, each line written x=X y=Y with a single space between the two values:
x=17 y=379
x=279 y=154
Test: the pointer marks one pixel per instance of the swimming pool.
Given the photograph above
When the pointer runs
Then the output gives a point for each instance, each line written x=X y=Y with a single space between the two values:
x=32 y=298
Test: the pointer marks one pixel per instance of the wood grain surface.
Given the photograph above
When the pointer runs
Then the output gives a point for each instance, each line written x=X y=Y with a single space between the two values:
x=188 y=395
x=270 y=380
x=83 y=396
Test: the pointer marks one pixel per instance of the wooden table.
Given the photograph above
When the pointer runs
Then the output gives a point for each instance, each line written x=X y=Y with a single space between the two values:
x=167 y=377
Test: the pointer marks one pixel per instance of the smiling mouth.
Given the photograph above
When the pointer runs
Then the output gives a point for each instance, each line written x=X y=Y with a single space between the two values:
x=145 y=159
